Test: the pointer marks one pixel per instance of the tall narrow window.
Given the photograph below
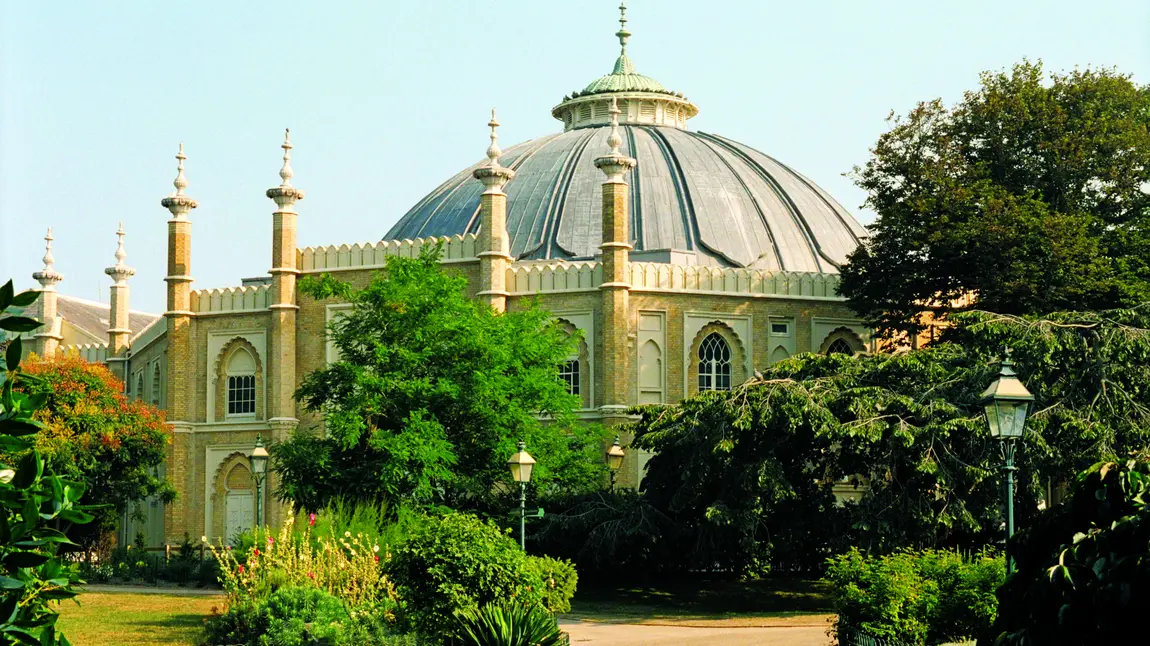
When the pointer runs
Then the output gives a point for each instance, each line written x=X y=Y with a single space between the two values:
x=714 y=363
x=241 y=383
x=156 y=385
x=139 y=394
x=569 y=373
x=840 y=346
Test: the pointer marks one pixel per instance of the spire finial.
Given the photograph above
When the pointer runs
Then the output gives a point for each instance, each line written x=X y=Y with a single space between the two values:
x=48 y=276
x=614 y=140
x=623 y=34
x=181 y=182
x=120 y=272
x=49 y=261
x=493 y=151
x=286 y=173
x=120 y=253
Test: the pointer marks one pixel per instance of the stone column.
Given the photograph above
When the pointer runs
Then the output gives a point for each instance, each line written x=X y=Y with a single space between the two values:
x=281 y=363
x=615 y=318
x=119 y=330
x=494 y=254
x=178 y=518
x=47 y=339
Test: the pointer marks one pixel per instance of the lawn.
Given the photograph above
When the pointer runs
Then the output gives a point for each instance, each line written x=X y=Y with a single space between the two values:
x=132 y=619
x=700 y=601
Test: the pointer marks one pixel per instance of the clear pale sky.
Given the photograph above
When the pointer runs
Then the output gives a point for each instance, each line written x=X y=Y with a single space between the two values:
x=386 y=100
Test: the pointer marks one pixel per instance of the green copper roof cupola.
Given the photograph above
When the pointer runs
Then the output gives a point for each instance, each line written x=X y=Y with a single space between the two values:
x=642 y=99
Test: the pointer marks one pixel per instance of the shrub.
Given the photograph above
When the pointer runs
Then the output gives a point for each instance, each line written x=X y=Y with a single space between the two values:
x=295 y=616
x=926 y=597
x=1083 y=568
x=457 y=563
x=507 y=624
x=559 y=580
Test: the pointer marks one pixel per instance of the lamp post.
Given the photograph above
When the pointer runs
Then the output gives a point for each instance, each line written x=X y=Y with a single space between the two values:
x=1007 y=403
x=614 y=460
x=521 y=464
x=259 y=462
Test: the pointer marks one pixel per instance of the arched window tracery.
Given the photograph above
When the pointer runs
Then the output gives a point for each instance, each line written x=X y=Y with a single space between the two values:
x=714 y=363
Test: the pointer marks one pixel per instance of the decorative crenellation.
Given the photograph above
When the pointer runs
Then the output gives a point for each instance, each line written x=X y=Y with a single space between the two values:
x=369 y=255
x=90 y=352
x=562 y=276
x=650 y=276
x=231 y=299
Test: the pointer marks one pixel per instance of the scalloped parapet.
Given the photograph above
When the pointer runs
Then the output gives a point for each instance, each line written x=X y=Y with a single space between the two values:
x=652 y=276
x=539 y=277
x=562 y=276
x=371 y=255
x=90 y=352
x=231 y=299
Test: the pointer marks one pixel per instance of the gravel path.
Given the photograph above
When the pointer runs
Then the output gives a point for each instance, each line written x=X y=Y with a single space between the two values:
x=631 y=635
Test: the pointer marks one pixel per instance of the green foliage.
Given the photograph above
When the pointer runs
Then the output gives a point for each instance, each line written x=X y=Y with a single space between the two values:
x=298 y=616
x=507 y=624
x=95 y=434
x=745 y=478
x=559 y=580
x=35 y=504
x=915 y=598
x=1027 y=194
x=455 y=563
x=1083 y=567
x=430 y=395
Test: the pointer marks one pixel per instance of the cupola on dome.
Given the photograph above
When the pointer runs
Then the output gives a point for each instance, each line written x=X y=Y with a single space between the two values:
x=696 y=198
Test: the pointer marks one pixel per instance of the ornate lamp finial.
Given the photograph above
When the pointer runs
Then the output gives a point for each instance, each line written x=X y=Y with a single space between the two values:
x=493 y=151
x=623 y=34
x=286 y=173
x=181 y=182
x=48 y=276
x=120 y=271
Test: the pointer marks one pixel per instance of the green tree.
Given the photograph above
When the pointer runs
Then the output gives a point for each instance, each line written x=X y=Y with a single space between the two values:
x=94 y=434
x=1028 y=194
x=34 y=502
x=747 y=475
x=430 y=395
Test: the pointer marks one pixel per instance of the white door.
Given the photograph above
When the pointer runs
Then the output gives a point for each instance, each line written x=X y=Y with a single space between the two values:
x=241 y=513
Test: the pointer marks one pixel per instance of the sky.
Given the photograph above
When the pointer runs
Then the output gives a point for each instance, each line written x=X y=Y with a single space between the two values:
x=385 y=100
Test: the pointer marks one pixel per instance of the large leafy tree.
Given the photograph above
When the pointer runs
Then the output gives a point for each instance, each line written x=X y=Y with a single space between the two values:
x=95 y=434
x=1029 y=195
x=34 y=503
x=430 y=395
x=746 y=477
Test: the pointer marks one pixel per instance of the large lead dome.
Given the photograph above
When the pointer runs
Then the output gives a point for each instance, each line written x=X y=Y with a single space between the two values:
x=696 y=198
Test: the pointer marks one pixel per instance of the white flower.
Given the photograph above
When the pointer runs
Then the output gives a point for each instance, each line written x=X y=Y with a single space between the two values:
x=6 y=475
x=203 y=539
x=375 y=548
x=347 y=534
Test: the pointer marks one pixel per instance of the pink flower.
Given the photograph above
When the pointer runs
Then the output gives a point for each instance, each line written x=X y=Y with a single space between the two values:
x=310 y=575
x=376 y=558
x=270 y=540
x=229 y=548
x=311 y=520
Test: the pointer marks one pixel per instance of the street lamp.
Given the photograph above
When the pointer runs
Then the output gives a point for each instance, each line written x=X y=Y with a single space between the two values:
x=521 y=464
x=614 y=460
x=259 y=462
x=1007 y=403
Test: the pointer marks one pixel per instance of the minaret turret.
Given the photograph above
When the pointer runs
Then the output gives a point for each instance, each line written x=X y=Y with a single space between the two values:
x=494 y=251
x=48 y=338
x=119 y=330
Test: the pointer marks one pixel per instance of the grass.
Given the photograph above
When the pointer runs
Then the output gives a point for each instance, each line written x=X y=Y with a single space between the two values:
x=702 y=600
x=129 y=619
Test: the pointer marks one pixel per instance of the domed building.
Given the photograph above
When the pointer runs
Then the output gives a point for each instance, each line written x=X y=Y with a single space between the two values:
x=684 y=259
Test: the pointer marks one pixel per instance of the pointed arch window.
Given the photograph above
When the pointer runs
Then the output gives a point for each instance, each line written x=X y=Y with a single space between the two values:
x=241 y=383
x=840 y=346
x=714 y=363
x=139 y=385
x=156 y=384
